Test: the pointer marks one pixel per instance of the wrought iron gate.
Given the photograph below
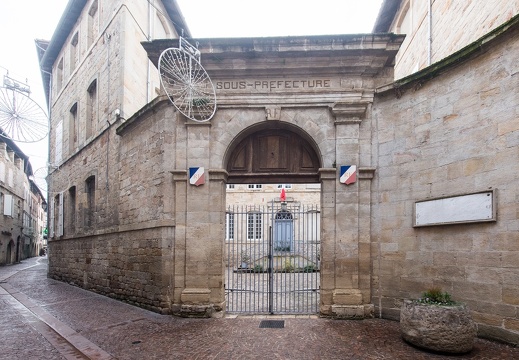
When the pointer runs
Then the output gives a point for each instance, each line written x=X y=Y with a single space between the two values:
x=273 y=259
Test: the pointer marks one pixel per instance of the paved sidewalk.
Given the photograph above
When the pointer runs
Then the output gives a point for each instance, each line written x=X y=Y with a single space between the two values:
x=42 y=318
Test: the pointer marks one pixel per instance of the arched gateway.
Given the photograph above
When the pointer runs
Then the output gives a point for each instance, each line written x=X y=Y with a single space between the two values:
x=289 y=110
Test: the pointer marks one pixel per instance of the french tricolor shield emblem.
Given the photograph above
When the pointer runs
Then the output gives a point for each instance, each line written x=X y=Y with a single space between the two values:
x=348 y=174
x=196 y=176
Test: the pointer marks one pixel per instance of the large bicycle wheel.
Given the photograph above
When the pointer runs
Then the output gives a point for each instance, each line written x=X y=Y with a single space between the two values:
x=21 y=118
x=187 y=84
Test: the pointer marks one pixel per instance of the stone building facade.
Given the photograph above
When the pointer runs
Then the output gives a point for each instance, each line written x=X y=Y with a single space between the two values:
x=126 y=222
x=429 y=24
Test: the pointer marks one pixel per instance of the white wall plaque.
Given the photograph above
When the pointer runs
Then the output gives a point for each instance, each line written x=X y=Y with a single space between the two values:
x=475 y=207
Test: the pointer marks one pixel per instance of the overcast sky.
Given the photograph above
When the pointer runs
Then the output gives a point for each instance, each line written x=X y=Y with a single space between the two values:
x=22 y=21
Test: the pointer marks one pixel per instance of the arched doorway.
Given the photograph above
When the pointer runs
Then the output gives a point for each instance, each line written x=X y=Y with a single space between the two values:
x=279 y=153
x=10 y=253
x=283 y=230
x=272 y=245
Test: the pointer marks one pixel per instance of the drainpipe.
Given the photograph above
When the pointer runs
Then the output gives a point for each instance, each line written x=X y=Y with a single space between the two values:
x=429 y=35
x=148 y=70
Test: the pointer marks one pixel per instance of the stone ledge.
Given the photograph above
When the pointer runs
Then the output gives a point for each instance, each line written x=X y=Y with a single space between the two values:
x=348 y=311
x=195 y=296
x=498 y=334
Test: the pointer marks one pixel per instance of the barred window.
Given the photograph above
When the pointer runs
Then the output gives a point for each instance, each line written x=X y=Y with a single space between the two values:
x=284 y=186
x=254 y=226
x=229 y=226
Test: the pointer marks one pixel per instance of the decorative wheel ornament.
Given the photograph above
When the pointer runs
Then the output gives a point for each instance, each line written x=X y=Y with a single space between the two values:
x=21 y=118
x=40 y=179
x=186 y=83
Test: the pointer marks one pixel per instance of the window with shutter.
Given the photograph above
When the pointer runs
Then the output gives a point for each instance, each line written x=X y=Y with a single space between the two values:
x=60 y=215
x=51 y=218
x=8 y=205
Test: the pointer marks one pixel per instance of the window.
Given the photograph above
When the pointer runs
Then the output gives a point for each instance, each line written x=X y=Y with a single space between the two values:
x=91 y=119
x=51 y=218
x=405 y=21
x=10 y=177
x=284 y=186
x=91 y=23
x=254 y=228
x=72 y=129
x=160 y=29
x=71 y=213
x=230 y=186
x=58 y=216
x=90 y=189
x=59 y=75
x=255 y=186
x=2 y=172
x=8 y=205
x=73 y=52
x=229 y=226
x=58 y=143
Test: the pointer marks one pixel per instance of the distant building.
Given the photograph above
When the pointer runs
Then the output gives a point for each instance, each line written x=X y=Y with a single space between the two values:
x=22 y=206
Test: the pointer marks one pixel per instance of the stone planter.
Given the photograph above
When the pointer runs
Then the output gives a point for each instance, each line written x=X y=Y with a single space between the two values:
x=448 y=329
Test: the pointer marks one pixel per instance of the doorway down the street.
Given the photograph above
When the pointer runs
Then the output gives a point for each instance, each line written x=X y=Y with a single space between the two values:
x=272 y=259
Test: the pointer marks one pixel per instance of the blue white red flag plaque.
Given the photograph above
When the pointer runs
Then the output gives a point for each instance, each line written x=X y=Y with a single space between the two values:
x=196 y=176
x=348 y=174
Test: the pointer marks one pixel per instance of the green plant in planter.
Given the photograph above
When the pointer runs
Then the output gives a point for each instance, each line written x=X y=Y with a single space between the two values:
x=435 y=296
x=436 y=322
x=309 y=268
x=288 y=266
x=245 y=259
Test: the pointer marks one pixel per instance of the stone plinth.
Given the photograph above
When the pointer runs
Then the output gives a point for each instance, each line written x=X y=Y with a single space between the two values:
x=449 y=329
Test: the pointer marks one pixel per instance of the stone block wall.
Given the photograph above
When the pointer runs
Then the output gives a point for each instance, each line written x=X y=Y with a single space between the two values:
x=473 y=19
x=130 y=266
x=452 y=135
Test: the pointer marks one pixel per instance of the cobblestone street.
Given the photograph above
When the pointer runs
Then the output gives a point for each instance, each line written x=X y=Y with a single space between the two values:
x=42 y=318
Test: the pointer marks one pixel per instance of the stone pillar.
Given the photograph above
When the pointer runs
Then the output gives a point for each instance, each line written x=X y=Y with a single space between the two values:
x=199 y=233
x=349 y=213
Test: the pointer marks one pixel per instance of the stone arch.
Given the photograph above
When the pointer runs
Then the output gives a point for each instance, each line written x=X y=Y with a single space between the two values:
x=273 y=153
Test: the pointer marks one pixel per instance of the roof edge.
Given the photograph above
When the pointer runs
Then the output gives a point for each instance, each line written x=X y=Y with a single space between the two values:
x=386 y=15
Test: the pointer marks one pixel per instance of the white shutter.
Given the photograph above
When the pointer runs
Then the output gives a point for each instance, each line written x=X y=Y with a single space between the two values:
x=8 y=205
x=50 y=214
x=60 y=215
